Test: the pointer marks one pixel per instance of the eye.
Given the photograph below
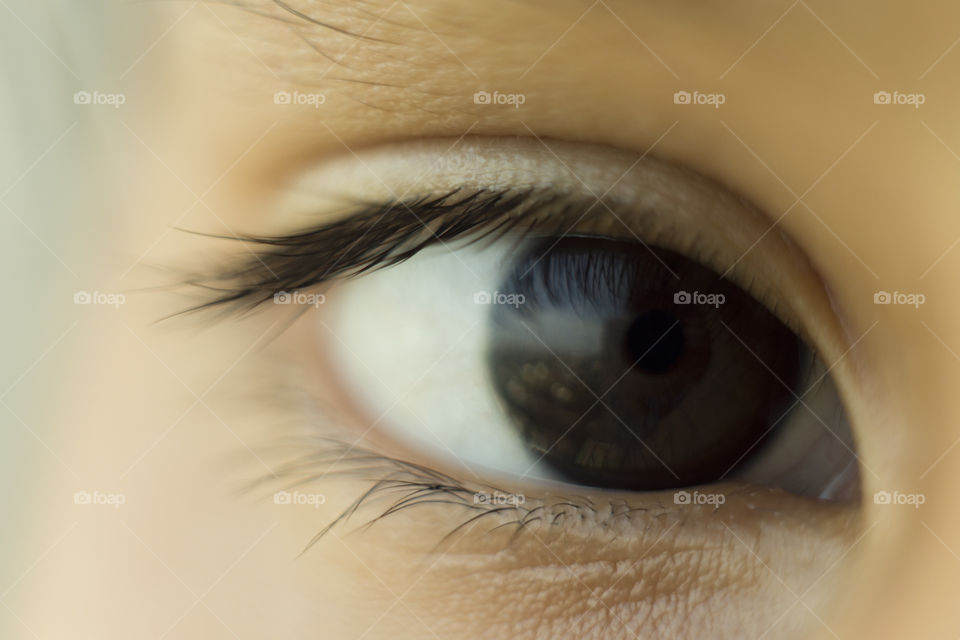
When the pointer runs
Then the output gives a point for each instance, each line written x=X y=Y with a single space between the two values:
x=611 y=355
x=590 y=361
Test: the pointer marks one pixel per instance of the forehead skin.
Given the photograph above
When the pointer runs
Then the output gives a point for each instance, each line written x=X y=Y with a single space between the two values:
x=869 y=191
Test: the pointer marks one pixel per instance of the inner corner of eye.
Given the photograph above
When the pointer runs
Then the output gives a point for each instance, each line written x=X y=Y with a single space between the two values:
x=606 y=363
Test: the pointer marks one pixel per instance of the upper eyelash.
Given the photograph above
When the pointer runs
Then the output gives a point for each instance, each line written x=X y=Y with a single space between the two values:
x=374 y=237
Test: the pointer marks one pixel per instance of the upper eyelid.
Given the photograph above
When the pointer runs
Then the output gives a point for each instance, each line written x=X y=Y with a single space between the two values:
x=388 y=228
x=377 y=235
x=552 y=188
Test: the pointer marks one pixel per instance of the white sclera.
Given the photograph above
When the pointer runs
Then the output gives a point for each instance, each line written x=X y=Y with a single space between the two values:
x=411 y=348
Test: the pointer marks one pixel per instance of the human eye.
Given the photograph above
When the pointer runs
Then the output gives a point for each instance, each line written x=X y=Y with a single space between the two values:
x=565 y=340
x=589 y=344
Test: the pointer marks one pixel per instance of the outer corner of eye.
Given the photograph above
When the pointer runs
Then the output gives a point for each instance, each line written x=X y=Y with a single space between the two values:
x=598 y=348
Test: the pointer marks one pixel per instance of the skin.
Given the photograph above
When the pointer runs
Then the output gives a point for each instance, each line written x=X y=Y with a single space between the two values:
x=181 y=417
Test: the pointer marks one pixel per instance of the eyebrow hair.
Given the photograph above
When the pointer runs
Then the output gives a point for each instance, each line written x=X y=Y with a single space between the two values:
x=375 y=236
x=300 y=17
x=369 y=58
x=296 y=12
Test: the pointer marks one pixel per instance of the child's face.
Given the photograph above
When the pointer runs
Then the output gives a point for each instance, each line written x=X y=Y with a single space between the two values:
x=838 y=122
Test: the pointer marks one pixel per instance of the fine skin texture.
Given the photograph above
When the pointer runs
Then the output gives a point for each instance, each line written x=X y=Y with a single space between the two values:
x=196 y=420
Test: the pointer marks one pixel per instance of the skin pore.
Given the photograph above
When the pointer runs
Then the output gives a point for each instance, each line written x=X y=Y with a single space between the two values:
x=183 y=416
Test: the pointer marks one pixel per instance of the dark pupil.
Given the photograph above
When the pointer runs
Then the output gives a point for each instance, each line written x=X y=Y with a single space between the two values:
x=634 y=368
x=655 y=340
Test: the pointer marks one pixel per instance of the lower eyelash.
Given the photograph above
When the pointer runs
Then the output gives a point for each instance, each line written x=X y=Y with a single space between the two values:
x=404 y=485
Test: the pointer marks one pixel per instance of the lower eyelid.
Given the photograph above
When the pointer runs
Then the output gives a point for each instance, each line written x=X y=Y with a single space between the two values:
x=670 y=577
x=439 y=514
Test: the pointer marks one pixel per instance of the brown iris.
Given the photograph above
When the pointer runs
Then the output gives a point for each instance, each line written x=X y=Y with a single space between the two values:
x=635 y=368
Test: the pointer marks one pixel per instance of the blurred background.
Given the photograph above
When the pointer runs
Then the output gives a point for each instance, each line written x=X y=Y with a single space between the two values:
x=56 y=154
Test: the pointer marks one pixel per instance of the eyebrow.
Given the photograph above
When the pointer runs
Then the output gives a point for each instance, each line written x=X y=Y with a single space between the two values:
x=374 y=236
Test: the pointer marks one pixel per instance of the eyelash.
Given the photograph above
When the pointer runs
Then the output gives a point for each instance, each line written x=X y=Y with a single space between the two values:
x=378 y=236
x=382 y=235
x=375 y=235
x=411 y=485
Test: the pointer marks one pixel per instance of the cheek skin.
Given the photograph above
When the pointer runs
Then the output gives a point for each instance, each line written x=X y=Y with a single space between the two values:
x=664 y=573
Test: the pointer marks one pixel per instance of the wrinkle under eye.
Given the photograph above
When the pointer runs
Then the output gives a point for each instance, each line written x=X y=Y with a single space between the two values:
x=618 y=371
